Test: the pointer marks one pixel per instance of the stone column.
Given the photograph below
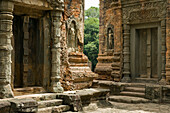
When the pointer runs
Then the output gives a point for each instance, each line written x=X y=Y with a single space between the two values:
x=6 y=16
x=56 y=47
x=168 y=44
x=126 y=53
x=163 y=52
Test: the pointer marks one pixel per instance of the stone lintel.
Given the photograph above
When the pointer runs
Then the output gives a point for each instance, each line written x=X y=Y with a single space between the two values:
x=37 y=4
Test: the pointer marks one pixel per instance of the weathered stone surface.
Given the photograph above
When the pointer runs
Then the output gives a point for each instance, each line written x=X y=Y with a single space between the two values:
x=6 y=16
x=128 y=99
x=72 y=99
x=153 y=92
x=110 y=26
x=5 y=106
x=26 y=105
x=49 y=103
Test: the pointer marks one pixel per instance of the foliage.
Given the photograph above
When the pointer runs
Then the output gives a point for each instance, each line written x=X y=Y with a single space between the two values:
x=92 y=12
x=91 y=37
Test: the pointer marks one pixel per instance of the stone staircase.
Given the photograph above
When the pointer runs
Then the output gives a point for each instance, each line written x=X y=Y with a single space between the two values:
x=47 y=103
x=124 y=92
x=116 y=67
x=132 y=93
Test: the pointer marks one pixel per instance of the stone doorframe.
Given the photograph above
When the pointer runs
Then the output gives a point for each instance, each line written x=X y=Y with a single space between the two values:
x=133 y=43
x=6 y=34
x=127 y=55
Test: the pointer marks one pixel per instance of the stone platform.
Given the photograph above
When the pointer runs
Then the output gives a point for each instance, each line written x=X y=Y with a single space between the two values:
x=53 y=102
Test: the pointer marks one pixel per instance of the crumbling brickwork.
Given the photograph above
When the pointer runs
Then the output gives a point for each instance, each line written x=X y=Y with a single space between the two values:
x=110 y=18
x=75 y=69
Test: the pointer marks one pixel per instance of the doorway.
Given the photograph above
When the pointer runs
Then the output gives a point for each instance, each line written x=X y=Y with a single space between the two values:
x=28 y=52
x=146 y=51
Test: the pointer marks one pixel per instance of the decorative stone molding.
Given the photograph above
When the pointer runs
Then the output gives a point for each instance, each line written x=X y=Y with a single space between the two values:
x=6 y=16
x=144 y=11
x=57 y=4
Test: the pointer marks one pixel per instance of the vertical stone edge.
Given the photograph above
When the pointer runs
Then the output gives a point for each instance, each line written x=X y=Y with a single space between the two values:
x=6 y=21
x=168 y=43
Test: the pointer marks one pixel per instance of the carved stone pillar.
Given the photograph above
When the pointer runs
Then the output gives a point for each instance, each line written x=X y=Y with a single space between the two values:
x=163 y=52
x=6 y=16
x=126 y=54
x=56 y=49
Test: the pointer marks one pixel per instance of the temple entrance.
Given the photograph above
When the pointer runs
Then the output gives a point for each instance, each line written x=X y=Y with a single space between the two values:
x=146 y=51
x=28 y=52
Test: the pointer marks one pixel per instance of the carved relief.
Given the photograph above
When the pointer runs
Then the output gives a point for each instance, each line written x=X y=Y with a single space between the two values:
x=144 y=11
x=74 y=38
x=110 y=39
x=143 y=14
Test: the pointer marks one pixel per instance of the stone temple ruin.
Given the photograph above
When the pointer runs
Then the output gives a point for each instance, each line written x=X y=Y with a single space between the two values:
x=41 y=54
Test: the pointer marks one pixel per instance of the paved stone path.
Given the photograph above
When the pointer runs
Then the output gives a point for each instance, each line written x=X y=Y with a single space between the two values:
x=127 y=108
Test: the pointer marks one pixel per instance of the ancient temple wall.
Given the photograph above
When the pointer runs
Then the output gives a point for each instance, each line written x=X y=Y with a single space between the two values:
x=73 y=11
x=110 y=15
x=75 y=69
x=110 y=18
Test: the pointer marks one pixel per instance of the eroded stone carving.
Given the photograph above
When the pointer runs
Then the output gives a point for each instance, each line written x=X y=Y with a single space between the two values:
x=110 y=42
x=73 y=36
x=57 y=4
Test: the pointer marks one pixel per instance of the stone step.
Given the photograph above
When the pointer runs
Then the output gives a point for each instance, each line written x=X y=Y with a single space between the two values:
x=50 y=103
x=39 y=97
x=139 y=85
x=116 y=58
x=76 y=55
x=147 y=80
x=56 y=109
x=77 y=60
x=128 y=99
x=116 y=64
x=80 y=68
x=28 y=90
x=133 y=94
x=117 y=79
x=79 y=65
x=116 y=68
x=135 y=89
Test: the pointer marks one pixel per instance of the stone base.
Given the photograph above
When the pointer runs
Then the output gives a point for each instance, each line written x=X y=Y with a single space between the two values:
x=126 y=79
x=162 y=82
x=79 y=71
x=6 y=92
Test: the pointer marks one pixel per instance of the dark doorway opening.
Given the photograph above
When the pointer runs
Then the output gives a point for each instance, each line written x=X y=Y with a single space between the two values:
x=28 y=52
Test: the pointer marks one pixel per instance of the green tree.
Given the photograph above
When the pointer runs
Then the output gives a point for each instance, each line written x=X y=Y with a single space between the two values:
x=92 y=12
x=91 y=36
